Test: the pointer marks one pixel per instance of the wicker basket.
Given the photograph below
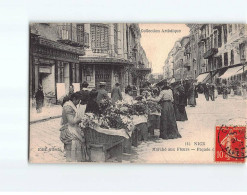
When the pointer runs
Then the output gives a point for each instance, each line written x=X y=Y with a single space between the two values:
x=94 y=137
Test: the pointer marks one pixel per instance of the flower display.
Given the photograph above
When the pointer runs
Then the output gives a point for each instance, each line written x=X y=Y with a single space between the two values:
x=120 y=115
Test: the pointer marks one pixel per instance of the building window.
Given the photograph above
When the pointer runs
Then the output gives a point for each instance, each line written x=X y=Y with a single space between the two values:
x=116 y=38
x=80 y=33
x=219 y=38
x=99 y=37
x=242 y=51
x=232 y=57
x=225 y=32
x=226 y=59
x=219 y=62
x=215 y=39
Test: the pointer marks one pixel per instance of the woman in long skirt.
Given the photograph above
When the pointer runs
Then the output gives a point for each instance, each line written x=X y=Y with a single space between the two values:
x=191 y=95
x=71 y=134
x=168 y=124
x=182 y=102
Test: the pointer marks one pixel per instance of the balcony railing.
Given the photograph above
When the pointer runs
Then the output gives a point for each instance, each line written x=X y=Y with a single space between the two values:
x=100 y=50
x=72 y=36
x=210 y=52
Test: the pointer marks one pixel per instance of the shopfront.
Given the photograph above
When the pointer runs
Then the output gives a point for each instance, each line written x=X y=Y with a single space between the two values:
x=53 y=66
x=109 y=70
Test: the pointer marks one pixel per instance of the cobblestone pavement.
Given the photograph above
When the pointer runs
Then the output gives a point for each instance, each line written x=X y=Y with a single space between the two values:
x=45 y=145
x=47 y=112
x=199 y=128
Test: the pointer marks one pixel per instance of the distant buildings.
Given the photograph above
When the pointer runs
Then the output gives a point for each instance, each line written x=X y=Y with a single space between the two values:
x=211 y=53
x=155 y=78
x=64 y=54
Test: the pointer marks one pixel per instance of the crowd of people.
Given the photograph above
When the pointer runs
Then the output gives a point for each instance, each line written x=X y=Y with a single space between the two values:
x=172 y=97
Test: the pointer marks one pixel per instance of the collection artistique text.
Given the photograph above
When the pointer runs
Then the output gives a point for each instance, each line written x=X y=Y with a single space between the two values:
x=160 y=31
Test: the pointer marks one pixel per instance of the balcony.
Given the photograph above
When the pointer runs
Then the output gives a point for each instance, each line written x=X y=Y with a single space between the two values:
x=210 y=53
x=70 y=35
x=100 y=50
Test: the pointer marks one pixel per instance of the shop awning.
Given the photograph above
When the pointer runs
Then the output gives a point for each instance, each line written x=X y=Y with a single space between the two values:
x=231 y=72
x=203 y=77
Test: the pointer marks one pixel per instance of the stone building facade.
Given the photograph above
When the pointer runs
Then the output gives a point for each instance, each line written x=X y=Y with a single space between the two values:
x=64 y=54
x=213 y=52
x=177 y=64
x=114 y=55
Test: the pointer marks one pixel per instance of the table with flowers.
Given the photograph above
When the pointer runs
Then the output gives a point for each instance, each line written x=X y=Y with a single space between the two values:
x=117 y=128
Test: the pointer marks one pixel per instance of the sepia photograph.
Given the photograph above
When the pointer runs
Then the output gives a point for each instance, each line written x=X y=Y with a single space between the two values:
x=137 y=93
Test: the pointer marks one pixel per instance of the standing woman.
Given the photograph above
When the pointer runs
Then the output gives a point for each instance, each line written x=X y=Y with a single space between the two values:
x=71 y=134
x=191 y=94
x=182 y=102
x=168 y=124
x=39 y=96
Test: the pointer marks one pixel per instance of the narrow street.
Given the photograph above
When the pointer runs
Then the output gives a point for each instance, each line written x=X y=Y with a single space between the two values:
x=195 y=146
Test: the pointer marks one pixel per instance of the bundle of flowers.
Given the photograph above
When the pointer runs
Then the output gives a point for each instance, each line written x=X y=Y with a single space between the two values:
x=104 y=104
x=139 y=108
x=153 y=106
x=116 y=121
x=112 y=118
x=89 y=120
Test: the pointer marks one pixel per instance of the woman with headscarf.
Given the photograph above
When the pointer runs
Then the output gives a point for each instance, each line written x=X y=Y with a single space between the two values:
x=168 y=124
x=70 y=133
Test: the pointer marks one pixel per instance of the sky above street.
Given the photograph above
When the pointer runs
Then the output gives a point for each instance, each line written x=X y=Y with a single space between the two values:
x=158 y=40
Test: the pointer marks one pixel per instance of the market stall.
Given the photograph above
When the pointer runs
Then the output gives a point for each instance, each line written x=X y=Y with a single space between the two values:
x=117 y=128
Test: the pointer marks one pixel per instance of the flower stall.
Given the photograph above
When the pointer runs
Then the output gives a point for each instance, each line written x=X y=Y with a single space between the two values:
x=116 y=128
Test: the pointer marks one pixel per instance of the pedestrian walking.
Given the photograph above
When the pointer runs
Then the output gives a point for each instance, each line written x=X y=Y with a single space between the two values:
x=39 y=96
x=244 y=89
x=211 y=91
x=180 y=101
x=70 y=133
x=192 y=94
x=116 y=94
x=206 y=91
x=186 y=86
x=224 y=91
x=168 y=124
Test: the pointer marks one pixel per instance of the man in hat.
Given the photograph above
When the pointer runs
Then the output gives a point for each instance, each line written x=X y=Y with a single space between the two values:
x=102 y=93
x=116 y=94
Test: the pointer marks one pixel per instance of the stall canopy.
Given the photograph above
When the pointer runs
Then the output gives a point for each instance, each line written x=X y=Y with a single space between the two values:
x=203 y=77
x=231 y=72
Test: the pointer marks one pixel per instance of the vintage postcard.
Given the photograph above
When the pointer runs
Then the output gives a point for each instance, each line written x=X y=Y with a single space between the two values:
x=137 y=93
